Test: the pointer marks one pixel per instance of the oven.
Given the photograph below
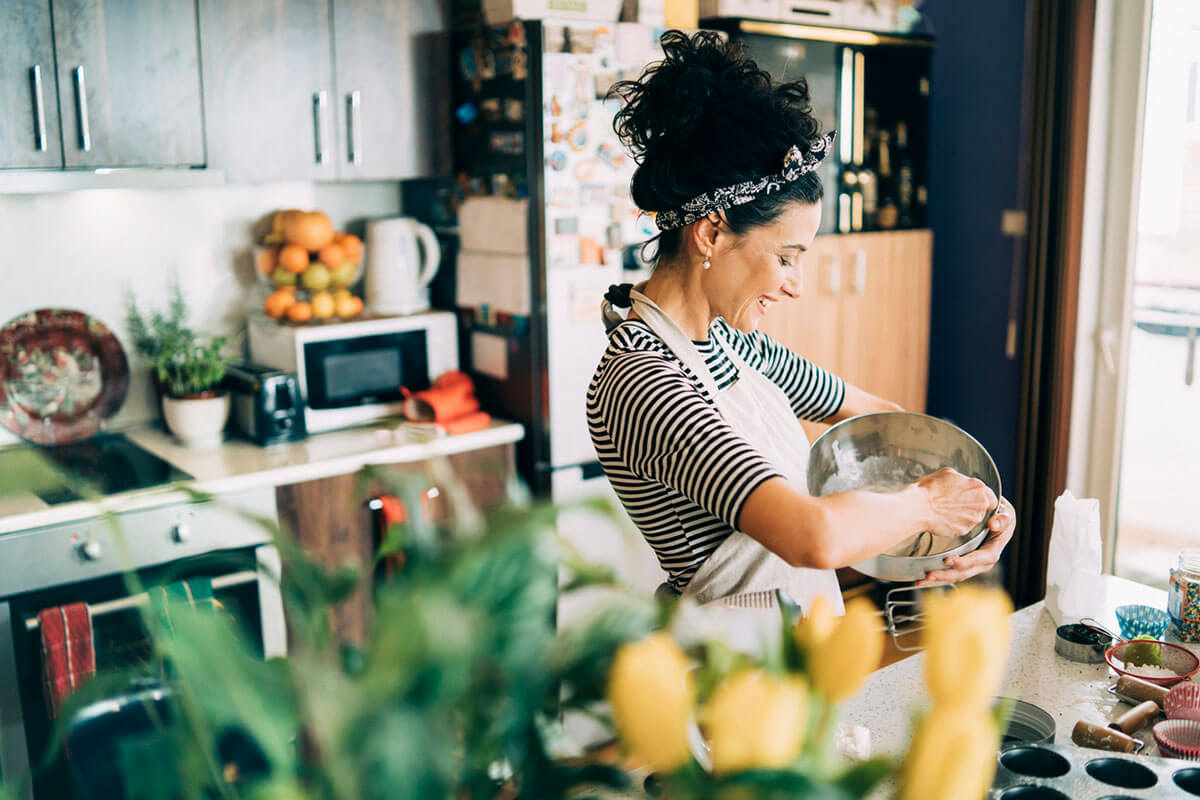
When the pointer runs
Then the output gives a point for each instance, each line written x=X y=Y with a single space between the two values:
x=88 y=561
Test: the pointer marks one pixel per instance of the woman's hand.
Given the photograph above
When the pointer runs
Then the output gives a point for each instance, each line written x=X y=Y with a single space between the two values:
x=1001 y=527
x=956 y=503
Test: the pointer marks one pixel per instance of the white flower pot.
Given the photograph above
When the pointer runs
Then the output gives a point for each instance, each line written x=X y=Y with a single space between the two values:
x=197 y=421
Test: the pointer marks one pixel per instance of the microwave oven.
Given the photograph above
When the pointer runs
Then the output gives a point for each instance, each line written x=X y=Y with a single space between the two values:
x=356 y=372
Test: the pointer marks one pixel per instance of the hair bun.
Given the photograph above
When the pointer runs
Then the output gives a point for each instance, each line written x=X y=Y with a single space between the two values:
x=704 y=115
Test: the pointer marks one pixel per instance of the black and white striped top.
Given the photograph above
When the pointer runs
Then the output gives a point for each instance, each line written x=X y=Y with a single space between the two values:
x=679 y=469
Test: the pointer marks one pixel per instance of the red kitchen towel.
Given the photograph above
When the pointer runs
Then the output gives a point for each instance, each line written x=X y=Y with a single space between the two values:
x=68 y=651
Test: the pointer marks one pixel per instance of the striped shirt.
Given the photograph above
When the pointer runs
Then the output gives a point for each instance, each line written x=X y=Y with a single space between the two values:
x=680 y=470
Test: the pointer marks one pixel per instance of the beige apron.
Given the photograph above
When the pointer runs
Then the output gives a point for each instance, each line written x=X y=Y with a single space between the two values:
x=741 y=572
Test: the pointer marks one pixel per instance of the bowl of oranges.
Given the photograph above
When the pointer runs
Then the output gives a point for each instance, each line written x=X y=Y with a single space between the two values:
x=309 y=269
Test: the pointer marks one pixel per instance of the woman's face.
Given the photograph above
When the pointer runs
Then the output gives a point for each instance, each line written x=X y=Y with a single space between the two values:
x=752 y=271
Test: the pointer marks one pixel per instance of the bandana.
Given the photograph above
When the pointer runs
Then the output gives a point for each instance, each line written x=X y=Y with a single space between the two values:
x=795 y=164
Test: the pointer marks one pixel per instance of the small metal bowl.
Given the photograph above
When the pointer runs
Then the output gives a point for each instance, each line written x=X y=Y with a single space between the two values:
x=886 y=451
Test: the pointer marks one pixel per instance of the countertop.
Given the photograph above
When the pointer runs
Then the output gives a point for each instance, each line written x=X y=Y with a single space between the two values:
x=236 y=465
x=1067 y=690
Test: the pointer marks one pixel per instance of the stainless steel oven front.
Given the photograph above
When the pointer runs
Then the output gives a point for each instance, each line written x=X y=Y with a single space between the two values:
x=87 y=561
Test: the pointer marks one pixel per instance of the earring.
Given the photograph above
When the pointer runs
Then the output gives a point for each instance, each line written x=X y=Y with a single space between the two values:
x=707 y=263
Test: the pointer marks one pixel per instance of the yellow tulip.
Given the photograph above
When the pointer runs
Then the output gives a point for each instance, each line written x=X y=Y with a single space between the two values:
x=841 y=662
x=953 y=756
x=966 y=645
x=755 y=720
x=651 y=692
x=815 y=626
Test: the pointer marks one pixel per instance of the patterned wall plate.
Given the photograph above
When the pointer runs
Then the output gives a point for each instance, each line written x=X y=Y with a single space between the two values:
x=62 y=375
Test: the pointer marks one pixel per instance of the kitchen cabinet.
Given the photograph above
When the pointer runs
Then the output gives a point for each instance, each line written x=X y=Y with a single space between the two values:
x=268 y=90
x=331 y=522
x=129 y=83
x=321 y=89
x=29 y=131
x=863 y=313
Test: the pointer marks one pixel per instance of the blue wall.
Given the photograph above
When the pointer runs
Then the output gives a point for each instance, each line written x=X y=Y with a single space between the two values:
x=976 y=150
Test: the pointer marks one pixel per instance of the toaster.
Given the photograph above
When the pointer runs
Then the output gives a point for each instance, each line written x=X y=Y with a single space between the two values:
x=267 y=405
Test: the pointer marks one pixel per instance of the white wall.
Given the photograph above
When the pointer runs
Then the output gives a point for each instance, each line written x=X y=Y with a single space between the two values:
x=85 y=249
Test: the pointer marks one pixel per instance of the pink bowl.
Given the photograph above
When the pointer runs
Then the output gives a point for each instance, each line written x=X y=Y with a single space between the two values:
x=1178 y=738
x=1176 y=658
x=1183 y=702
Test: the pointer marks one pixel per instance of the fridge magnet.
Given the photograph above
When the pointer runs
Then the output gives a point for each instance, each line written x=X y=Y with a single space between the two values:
x=557 y=135
x=604 y=43
x=564 y=197
x=611 y=154
x=555 y=39
x=566 y=226
x=557 y=160
x=592 y=195
x=577 y=137
x=556 y=108
x=491 y=109
x=514 y=109
x=589 y=251
x=587 y=171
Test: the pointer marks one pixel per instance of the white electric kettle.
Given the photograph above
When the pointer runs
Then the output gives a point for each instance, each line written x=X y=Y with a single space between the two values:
x=402 y=257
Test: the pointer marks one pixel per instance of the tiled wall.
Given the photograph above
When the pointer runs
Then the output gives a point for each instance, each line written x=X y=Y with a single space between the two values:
x=86 y=249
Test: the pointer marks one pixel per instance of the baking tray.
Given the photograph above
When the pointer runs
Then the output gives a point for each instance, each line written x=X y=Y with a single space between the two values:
x=1061 y=772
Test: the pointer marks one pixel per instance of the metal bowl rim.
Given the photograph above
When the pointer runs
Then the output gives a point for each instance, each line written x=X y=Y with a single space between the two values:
x=969 y=545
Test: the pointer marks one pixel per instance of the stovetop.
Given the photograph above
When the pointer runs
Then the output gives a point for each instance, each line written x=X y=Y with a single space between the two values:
x=107 y=463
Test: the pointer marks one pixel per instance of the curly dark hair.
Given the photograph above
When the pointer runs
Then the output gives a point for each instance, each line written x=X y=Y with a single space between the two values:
x=706 y=116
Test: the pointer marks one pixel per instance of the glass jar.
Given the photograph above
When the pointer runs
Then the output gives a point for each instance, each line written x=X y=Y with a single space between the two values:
x=1183 y=596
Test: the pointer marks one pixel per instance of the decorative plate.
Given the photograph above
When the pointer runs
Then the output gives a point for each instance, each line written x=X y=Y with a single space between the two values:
x=62 y=375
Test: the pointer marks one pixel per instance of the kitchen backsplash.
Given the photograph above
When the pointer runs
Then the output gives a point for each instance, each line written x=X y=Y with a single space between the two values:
x=86 y=249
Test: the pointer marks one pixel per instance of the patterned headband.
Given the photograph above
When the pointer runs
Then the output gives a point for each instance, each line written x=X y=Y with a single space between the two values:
x=795 y=164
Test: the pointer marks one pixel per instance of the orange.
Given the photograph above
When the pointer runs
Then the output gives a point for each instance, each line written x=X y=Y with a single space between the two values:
x=266 y=259
x=293 y=258
x=279 y=302
x=300 y=312
x=358 y=306
x=352 y=247
x=322 y=305
x=332 y=255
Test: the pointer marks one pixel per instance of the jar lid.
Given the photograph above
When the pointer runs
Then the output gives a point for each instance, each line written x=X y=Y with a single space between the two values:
x=1189 y=560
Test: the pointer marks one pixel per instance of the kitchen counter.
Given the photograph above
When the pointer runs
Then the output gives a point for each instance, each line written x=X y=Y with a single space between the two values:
x=237 y=465
x=1067 y=690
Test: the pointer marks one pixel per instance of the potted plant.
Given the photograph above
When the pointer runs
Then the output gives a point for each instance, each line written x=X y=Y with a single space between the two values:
x=187 y=368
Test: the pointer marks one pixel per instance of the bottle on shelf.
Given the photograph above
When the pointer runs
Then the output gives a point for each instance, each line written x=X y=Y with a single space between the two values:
x=905 y=190
x=887 y=214
x=868 y=180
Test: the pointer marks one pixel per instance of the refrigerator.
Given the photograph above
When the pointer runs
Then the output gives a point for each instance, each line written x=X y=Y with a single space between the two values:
x=545 y=225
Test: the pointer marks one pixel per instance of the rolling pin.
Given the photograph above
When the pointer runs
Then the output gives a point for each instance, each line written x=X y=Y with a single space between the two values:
x=1136 y=718
x=1141 y=690
x=1087 y=734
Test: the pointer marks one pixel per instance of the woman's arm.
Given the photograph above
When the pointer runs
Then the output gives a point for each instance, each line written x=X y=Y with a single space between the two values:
x=848 y=527
x=859 y=402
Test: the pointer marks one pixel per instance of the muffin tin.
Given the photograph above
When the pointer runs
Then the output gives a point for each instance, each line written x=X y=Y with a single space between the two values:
x=1060 y=772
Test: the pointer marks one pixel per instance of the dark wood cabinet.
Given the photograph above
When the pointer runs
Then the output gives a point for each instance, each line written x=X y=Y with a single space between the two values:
x=29 y=131
x=324 y=89
x=330 y=520
x=129 y=83
x=268 y=89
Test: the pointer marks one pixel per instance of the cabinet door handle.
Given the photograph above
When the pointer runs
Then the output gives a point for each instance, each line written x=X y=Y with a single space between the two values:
x=860 y=272
x=85 y=134
x=354 y=146
x=319 y=100
x=39 y=108
x=834 y=283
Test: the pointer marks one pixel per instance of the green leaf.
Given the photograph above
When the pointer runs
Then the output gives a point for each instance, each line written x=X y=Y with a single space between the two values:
x=862 y=777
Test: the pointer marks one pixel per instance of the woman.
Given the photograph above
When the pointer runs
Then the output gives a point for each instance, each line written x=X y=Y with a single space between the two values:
x=694 y=413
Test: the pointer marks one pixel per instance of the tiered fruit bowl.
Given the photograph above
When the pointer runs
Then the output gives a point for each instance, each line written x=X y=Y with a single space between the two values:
x=309 y=268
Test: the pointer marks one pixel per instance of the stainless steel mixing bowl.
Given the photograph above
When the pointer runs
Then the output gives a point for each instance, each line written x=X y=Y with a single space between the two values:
x=887 y=450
